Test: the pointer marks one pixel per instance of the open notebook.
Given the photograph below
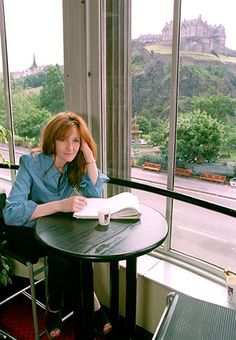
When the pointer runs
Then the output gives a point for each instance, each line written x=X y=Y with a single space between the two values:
x=122 y=206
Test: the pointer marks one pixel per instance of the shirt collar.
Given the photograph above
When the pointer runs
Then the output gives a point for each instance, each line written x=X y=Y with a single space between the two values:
x=52 y=168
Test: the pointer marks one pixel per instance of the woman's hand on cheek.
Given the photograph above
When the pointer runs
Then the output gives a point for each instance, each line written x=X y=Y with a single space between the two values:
x=84 y=147
x=72 y=204
x=88 y=155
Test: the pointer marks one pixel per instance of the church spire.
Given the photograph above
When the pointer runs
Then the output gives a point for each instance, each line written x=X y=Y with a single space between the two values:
x=34 y=65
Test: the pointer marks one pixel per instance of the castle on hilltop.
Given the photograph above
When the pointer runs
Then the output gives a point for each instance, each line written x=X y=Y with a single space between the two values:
x=196 y=36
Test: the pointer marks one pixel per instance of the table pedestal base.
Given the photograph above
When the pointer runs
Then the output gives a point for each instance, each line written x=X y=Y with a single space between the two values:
x=83 y=298
x=131 y=290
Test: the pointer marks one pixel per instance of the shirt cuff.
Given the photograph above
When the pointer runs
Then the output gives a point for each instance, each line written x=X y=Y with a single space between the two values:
x=88 y=189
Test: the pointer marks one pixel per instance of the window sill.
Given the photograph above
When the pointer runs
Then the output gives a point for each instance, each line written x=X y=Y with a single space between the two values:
x=176 y=278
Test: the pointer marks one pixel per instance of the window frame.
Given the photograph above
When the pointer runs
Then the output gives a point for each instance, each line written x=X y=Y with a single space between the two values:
x=7 y=88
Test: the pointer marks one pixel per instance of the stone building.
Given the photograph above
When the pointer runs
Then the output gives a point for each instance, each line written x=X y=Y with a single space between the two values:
x=196 y=36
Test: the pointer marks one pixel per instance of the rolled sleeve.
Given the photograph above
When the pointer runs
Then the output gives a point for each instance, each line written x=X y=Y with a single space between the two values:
x=19 y=213
x=19 y=208
x=88 y=189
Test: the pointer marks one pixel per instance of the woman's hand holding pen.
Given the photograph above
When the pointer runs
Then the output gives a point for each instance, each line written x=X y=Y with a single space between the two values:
x=72 y=204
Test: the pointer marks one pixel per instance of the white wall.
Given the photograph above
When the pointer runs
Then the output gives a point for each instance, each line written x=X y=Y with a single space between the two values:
x=151 y=297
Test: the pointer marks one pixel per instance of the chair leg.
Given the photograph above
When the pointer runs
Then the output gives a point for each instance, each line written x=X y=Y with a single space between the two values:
x=33 y=297
x=34 y=301
x=46 y=280
x=4 y=335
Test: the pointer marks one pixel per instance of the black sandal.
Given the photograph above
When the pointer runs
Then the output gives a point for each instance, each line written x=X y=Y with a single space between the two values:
x=53 y=323
x=102 y=324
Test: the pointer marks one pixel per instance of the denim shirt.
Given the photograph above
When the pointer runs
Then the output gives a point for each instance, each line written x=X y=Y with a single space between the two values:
x=38 y=181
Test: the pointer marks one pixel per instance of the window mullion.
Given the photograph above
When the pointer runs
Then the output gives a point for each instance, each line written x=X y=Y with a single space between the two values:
x=7 y=87
x=173 y=112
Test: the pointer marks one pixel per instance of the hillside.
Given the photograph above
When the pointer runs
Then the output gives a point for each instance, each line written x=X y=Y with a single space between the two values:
x=205 y=57
x=201 y=74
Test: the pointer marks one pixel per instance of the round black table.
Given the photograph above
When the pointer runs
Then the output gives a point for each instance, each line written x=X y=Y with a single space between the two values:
x=85 y=242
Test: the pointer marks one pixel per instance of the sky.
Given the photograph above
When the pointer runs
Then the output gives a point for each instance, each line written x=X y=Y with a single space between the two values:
x=150 y=16
x=35 y=26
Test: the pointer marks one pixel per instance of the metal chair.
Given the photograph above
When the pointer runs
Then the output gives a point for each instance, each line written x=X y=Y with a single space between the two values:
x=187 y=318
x=29 y=262
x=6 y=336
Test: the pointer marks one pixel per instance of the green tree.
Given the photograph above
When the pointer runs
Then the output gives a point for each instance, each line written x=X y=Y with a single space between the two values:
x=17 y=85
x=2 y=105
x=144 y=124
x=28 y=117
x=219 y=107
x=52 y=92
x=146 y=114
x=34 y=80
x=156 y=135
x=199 y=137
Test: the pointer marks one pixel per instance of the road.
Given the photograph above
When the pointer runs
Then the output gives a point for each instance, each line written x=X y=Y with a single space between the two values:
x=196 y=231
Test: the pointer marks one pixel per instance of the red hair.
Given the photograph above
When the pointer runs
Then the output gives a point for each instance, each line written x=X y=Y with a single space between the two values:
x=59 y=127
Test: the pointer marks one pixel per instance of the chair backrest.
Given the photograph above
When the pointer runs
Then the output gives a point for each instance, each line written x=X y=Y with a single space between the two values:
x=186 y=317
x=2 y=203
x=2 y=224
x=7 y=247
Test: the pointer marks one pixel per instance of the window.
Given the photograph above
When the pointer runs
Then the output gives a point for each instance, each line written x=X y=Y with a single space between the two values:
x=206 y=129
x=151 y=72
x=35 y=58
x=205 y=118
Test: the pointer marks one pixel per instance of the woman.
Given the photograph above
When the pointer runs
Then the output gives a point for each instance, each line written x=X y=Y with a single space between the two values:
x=45 y=184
